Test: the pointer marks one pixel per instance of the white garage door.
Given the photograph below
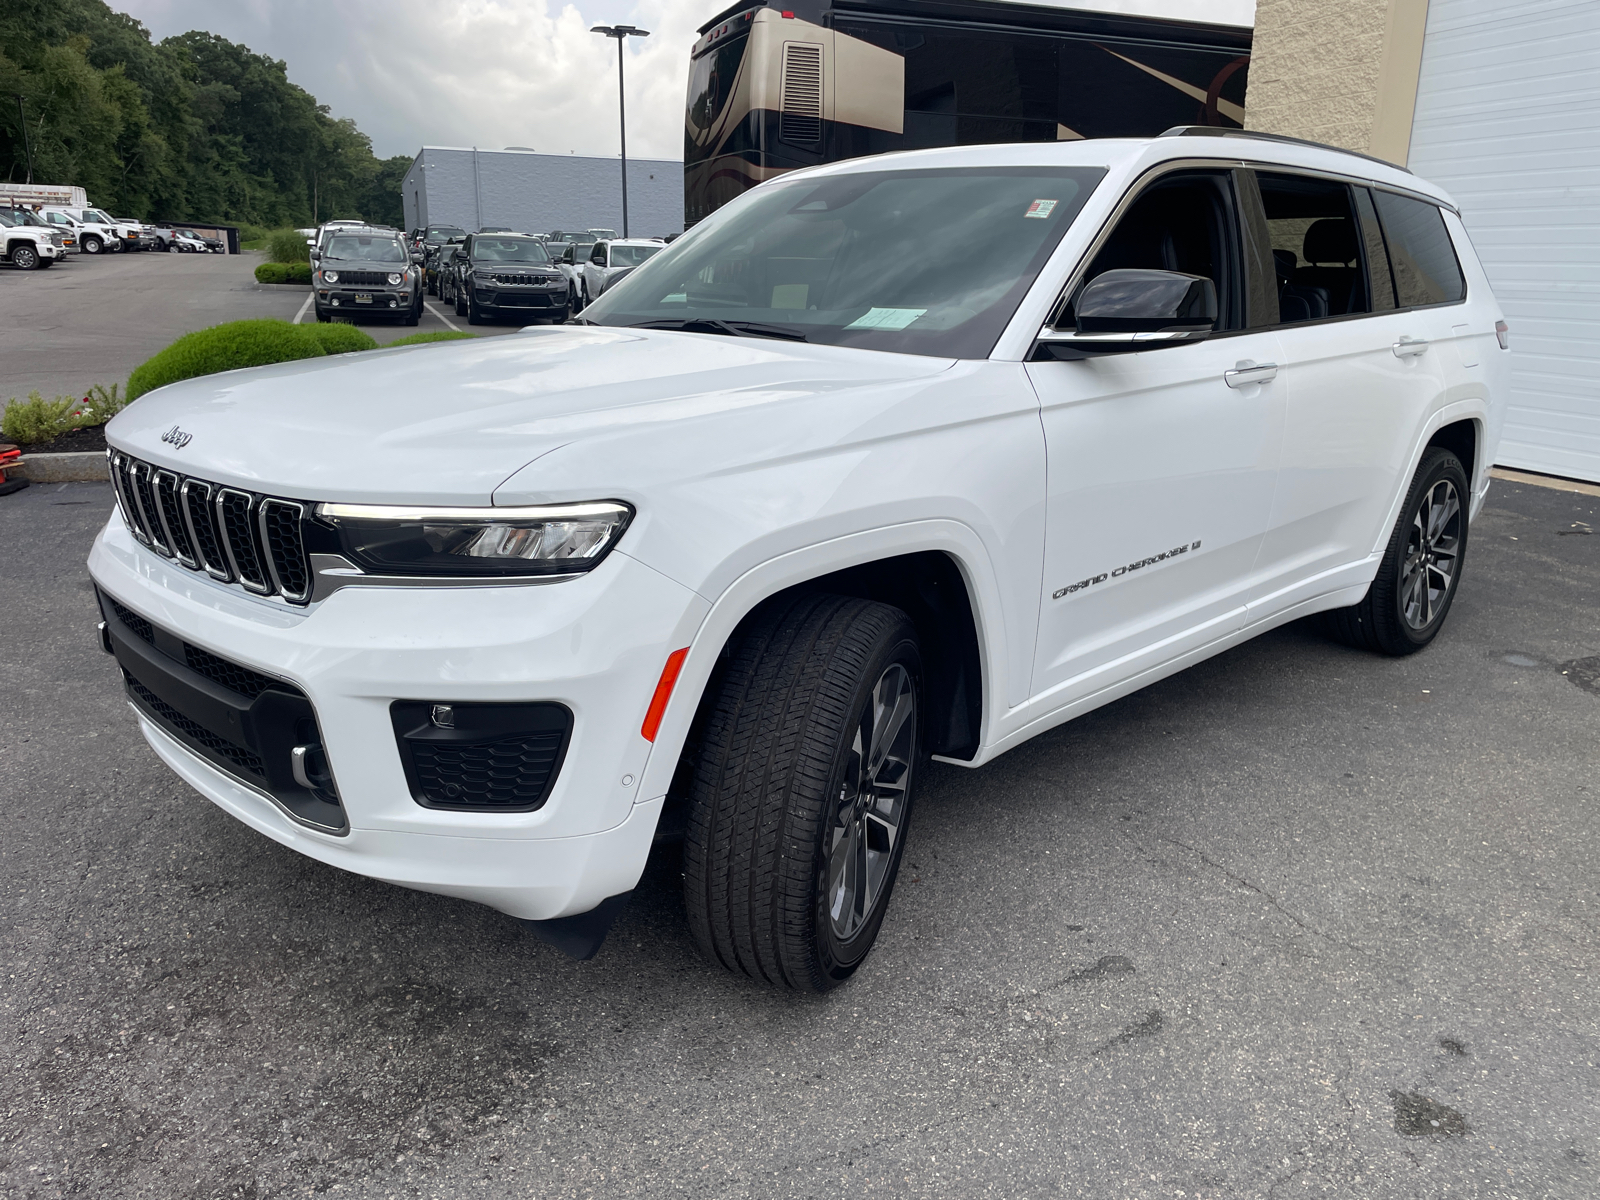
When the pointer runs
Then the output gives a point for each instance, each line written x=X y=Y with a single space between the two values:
x=1508 y=119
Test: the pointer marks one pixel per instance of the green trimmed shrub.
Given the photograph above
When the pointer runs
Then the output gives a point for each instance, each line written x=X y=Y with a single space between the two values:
x=272 y=272
x=287 y=246
x=340 y=339
x=440 y=335
x=223 y=348
x=299 y=272
x=38 y=420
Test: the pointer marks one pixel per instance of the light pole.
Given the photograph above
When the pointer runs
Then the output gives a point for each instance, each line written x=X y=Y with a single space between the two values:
x=622 y=33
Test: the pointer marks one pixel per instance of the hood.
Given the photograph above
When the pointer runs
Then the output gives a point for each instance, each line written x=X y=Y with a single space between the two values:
x=447 y=423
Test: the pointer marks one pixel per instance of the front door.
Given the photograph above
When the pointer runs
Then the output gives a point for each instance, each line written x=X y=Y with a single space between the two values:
x=1161 y=464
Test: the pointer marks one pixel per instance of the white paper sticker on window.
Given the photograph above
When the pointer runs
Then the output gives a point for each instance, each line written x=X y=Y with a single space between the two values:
x=886 y=318
x=1041 y=209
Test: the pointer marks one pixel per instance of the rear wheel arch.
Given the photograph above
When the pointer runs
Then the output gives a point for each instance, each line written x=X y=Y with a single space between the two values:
x=1462 y=438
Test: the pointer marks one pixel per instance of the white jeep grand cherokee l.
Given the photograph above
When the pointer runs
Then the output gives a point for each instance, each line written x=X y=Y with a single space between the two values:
x=804 y=500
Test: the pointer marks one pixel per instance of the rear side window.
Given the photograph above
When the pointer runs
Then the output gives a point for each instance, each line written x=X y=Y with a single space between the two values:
x=1316 y=247
x=1426 y=270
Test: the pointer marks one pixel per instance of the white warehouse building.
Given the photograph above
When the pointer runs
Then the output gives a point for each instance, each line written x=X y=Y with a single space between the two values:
x=537 y=193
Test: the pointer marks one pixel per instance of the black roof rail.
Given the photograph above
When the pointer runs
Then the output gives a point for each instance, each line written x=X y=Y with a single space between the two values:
x=1217 y=131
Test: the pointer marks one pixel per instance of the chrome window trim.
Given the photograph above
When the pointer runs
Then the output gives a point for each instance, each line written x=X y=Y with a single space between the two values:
x=166 y=525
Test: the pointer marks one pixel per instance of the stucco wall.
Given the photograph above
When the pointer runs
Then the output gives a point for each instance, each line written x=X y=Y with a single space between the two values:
x=1342 y=72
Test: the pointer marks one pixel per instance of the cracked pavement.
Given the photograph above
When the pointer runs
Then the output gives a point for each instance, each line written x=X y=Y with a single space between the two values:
x=1247 y=933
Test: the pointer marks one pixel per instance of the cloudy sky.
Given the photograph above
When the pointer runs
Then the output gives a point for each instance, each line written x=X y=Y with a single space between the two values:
x=498 y=73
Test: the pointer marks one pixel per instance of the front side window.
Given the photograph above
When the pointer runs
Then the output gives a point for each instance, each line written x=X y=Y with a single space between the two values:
x=929 y=261
x=1426 y=270
x=1316 y=247
x=1182 y=223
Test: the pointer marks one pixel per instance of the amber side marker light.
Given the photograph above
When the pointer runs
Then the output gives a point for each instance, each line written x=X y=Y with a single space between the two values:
x=658 y=702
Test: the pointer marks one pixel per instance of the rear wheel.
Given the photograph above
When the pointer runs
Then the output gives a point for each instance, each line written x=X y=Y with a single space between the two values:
x=802 y=790
x=1406 y=605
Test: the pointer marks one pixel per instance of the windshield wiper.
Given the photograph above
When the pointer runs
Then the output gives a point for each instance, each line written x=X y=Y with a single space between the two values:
x=730 y=328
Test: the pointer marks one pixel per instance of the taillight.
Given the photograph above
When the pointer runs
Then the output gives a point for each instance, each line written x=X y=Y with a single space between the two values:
x=1502 y=334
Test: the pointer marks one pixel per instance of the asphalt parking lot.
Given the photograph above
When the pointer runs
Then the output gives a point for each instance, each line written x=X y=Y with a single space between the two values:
x=93 y=320
x=1248 y=933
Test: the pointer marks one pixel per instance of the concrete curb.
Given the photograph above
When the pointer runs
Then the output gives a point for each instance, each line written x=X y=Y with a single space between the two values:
x=79 y=466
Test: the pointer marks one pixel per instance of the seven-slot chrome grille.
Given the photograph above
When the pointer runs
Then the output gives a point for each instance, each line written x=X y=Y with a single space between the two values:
x=232 y=535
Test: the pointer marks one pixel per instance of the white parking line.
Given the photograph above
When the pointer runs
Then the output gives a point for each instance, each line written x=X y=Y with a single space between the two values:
x=299 y=316
x=454 y=328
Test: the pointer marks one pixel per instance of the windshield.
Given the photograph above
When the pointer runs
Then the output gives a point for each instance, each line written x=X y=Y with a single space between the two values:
x=632 y=256
x=97 y=215
x=711 y=81
x=492 y=249
x=367 y=249
x=922 y=262
x=20 y=216
x=444 y=234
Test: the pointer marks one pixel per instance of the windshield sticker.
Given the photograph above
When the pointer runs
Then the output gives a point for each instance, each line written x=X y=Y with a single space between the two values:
x=1121 y=571
x=1041 y=209
x=886 y=318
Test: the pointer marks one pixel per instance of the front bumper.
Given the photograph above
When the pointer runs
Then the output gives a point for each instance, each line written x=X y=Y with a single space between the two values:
x=536 y=302
x=595 y=645
x=385 y=299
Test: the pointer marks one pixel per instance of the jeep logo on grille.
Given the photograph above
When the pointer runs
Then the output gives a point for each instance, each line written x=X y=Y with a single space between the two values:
x=177 y=437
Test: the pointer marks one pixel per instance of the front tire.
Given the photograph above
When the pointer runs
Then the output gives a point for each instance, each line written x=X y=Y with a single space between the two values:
x=474 y=314
x=92 y=245
x=1408 y=601
x=802 y=790
x=24 y=258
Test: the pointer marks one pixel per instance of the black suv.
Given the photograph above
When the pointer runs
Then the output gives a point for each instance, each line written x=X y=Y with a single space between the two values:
x=363 y=270
x=435 y=249
x=502 y=274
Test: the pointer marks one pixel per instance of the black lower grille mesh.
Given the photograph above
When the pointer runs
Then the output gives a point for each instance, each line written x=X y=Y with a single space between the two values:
x=506 y=773
x=133 y=621
x=238 y=756
x=237 y=679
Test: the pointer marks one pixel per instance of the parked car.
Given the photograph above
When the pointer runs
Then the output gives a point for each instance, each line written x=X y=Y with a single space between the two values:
x=26 y=242
x=187 y=241
x=505 y=275
x=599 y=235
x=607 y=258
x=798 y=507
x=436 y=260
x=96 y=231
x=361 y=271
x=570 y=262
x=137 y=235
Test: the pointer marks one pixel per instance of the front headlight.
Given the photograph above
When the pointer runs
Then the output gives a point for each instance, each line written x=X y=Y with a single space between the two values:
x=555 y=539
x=330 y=277
x=396 y=279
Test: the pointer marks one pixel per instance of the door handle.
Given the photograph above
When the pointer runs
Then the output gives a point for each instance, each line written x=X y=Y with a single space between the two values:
x=1409 y=347
x=1250 y=372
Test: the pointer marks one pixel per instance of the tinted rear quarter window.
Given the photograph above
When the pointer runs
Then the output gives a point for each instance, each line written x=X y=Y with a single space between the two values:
x=1424 y=261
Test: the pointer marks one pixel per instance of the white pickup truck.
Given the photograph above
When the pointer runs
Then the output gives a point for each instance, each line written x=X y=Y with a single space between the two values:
x=96 y=231
x=26 y=242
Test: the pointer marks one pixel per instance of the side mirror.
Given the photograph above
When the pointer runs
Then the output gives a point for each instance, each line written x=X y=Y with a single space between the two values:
x=311 y=241
x=314 y=253
x=1130 y=309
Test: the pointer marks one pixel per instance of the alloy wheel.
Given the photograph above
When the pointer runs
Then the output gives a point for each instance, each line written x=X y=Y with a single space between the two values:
x=872 y=802
x=1433 y=550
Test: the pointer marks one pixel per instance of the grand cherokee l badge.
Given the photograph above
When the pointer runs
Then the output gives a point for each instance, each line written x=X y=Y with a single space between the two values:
x=1120 y=571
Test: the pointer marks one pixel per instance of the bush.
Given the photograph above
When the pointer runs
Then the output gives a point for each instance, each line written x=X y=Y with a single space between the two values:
x=299 y=272
x=37 y=419
x=340 y=339
x=287 y=246
x=224 y=348
x=442 y=335
x=272 y=272
x=100 y=405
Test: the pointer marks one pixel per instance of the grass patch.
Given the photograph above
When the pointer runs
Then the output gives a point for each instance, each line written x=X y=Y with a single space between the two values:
x=224 y=348
x=441 y=335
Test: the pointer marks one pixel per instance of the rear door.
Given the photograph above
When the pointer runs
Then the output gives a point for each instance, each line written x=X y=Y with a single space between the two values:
x=1161 y=463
